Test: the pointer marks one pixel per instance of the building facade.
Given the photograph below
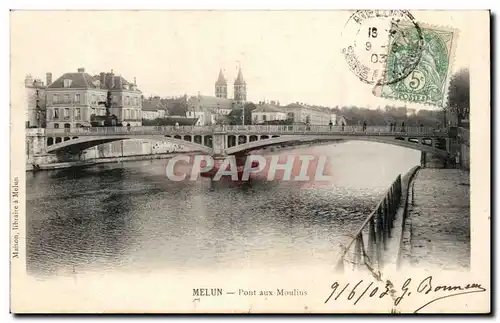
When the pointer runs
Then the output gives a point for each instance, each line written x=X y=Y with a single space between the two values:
x=34 y=91
x=302 y=113
x=208 y=108
x=267 y=112
x=153 y=108
x=73 y=99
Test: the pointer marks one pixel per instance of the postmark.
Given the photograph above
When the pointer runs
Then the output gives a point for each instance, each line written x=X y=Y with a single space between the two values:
x=366 y=38
x=427 y=82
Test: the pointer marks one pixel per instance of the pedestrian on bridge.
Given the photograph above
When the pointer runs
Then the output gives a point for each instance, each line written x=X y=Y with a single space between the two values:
x=364 y=125
x=403 y=127
x=343 y=124
x=331 y=125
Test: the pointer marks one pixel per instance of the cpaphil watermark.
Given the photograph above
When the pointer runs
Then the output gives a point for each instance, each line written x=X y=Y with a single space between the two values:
x=300 y=168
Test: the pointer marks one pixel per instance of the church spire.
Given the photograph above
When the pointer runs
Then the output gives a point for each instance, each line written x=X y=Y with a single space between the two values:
x=240 y=88
x=221 y=80
x=221 y=86
x=239 y=79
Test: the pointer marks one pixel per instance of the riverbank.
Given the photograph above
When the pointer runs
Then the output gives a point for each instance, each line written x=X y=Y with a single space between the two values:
x=104 y=160
x=438 y=224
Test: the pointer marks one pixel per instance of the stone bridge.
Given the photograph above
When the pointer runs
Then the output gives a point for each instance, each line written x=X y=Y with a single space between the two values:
x=229 y=140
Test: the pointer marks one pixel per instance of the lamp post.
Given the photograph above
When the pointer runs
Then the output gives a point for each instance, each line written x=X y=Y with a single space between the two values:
x=243 y=114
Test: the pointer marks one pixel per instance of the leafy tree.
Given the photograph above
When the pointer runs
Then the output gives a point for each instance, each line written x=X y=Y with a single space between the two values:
x=458 y=95
x=235 y=117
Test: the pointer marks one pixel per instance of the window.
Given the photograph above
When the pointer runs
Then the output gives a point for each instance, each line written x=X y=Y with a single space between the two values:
x=115 y=99
x=66 y=98
x=77 y=113
x=127 y=100
x=94 y=99
x=264 y=117
x=67 y=125
x=55 y=98
x=56 y=113
x=93 y=111
x=102 y=98
x=56 y=125
x=66 y=113
x=77 y=98
x=67 y=83
x=127 y=115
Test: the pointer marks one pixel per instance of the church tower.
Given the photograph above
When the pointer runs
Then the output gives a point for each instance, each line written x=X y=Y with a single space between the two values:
x=221 y=86
x=240 y=88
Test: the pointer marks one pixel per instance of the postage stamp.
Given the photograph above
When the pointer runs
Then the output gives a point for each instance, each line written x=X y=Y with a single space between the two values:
x=428 y=79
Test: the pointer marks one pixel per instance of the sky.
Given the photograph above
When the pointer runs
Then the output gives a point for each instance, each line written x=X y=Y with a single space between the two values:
x=288 y=56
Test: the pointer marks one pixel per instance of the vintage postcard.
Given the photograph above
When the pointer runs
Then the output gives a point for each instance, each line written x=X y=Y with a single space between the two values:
x=250 y=161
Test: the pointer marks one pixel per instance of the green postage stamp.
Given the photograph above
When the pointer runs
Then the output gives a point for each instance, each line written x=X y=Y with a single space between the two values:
x=428 y=81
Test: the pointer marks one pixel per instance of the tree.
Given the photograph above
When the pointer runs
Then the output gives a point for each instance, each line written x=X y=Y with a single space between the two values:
x=236 y=115
x=458 y=95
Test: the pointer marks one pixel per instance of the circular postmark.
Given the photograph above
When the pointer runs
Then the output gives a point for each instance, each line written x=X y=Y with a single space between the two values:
x=382 y=46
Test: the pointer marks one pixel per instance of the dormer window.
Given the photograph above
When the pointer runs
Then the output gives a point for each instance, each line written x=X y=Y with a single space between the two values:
x=67 y=83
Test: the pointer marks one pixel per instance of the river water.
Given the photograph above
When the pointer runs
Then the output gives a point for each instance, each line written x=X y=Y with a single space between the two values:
x=129 y=217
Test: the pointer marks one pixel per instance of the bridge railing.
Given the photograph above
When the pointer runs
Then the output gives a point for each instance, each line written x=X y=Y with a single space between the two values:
x=142 y=130
x=359 y=129
x=260 y=129
x=372 y=237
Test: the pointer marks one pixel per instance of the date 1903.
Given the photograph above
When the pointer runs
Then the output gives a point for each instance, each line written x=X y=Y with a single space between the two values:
x=357 y=291
x=360 y=290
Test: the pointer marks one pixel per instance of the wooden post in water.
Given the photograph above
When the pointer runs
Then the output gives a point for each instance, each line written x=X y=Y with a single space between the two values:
x=385 y=226
x=380 y=232
x=372 y=239
x=357 y=252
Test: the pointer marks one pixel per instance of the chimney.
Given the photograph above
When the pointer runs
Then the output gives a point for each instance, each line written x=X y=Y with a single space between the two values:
x=102 y=79
x=112 y=81
x=48 y=76
x=81 y=70
x=120 y=83
x=28 y=80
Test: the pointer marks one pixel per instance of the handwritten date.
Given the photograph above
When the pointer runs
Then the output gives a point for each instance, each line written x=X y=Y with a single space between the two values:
x=360 y=290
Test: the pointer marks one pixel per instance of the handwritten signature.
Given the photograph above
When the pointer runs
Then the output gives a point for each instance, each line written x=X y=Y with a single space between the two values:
x=360 y=290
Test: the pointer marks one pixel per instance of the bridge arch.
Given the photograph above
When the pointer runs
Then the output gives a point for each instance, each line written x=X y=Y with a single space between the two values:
x=85 y=142
x=399 y=141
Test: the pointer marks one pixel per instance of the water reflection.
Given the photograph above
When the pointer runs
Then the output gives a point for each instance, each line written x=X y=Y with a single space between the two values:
x=131 y=217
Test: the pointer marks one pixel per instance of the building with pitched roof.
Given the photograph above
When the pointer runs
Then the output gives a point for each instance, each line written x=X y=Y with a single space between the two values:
x=267 y=112
x=73 y=99
x=153 y=108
